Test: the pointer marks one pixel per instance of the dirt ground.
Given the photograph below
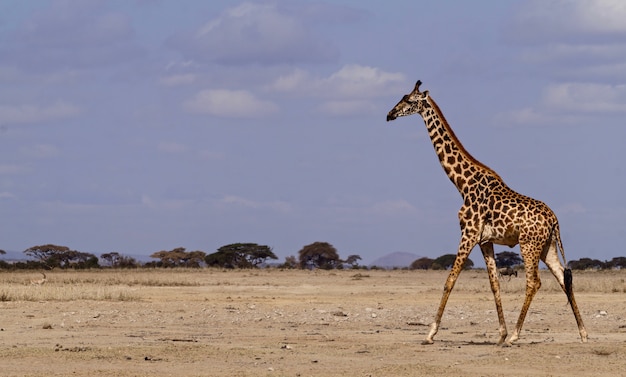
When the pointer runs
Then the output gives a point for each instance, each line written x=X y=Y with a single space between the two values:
x=306 y=323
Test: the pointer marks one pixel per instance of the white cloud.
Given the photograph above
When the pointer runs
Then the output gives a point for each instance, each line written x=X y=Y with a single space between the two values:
x=585 y=97
x=351 y=82
x=572 y=39
x=11 y=169
x=348 y=107
x=11 y=114
x=543 y=21
x=177 y=80
x=7 y=195
x=229 y=103
x=601 y=15
x=581 y=53
x=291 y=81
x=392 y=208
x=563 y=104
x=362 y=81
x=528 y=116
x=350 y=90
x=73 y=35
x=255 y=33
x=580 y=46
x=237 y=201
x=165 y=204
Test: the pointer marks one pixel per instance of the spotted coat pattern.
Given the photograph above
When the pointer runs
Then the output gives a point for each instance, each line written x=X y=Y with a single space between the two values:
x=491 y=213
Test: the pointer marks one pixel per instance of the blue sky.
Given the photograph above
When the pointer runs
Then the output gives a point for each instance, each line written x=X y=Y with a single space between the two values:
x=138 y=126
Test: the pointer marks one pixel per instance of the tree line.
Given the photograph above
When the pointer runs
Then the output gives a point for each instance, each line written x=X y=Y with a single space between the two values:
x=237 y=255
x=320 y=255
x=514 y=260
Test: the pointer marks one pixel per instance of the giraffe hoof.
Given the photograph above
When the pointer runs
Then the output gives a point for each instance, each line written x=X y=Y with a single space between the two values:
x=427 y=341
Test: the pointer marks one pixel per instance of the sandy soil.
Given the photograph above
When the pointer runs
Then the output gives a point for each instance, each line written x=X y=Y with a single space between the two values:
x=303 y=323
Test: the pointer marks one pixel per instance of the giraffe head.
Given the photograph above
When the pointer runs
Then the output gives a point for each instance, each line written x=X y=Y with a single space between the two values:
x=411 y=103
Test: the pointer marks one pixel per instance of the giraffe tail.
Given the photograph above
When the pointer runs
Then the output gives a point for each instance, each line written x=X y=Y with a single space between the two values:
x=567 y=279
x=567 y=272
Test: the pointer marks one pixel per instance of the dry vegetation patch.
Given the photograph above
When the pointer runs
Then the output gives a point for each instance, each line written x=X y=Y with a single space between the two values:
x=182 y=322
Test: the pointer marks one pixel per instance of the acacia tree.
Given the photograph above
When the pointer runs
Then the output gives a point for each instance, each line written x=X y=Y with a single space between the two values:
x=446 y=261
x=508 y=259
x=319 y=255
x=353 y=260
x=117 y=260
x=586 y=264
x=47 y=254
x=424 y=263
x=617 y=262
x=61 y=256
x=178 y=257
x=240 y=255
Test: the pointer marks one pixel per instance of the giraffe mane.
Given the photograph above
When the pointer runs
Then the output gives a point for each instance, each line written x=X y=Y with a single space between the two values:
x=457 y=141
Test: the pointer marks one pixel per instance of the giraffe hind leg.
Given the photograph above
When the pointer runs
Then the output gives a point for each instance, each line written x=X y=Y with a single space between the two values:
x=490 y=262
x=564 y=277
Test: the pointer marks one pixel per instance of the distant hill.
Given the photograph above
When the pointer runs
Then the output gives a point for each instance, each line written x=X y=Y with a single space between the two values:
x=398 y=259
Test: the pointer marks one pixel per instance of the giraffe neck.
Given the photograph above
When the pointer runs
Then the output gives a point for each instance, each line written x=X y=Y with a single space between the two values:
x=461 y=167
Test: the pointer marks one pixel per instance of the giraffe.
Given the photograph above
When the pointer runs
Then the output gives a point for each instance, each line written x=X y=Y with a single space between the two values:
x=491 y=213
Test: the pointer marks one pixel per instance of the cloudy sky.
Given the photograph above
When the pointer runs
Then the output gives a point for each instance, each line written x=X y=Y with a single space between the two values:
x=141 y=125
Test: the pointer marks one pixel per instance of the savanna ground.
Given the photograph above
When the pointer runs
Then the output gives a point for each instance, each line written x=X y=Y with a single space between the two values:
x=301 y=323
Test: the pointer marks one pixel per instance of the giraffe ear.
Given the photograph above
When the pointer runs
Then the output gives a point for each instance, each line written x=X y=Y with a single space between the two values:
x=425 y=94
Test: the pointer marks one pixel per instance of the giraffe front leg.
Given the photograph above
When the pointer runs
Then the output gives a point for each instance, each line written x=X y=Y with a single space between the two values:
x=434 y=327
x=464 y=249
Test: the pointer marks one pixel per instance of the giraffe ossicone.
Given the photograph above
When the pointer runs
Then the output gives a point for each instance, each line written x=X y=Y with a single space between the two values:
x=492 y=213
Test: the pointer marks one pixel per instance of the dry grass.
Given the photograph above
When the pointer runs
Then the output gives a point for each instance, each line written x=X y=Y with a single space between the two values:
x=127 y=285
x=295 y=322
x=108 y=285
x=50 y=292
x=584 y=281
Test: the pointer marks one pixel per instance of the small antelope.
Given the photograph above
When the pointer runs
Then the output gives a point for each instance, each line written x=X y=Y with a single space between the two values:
x=506 y=271
x=39 y=281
